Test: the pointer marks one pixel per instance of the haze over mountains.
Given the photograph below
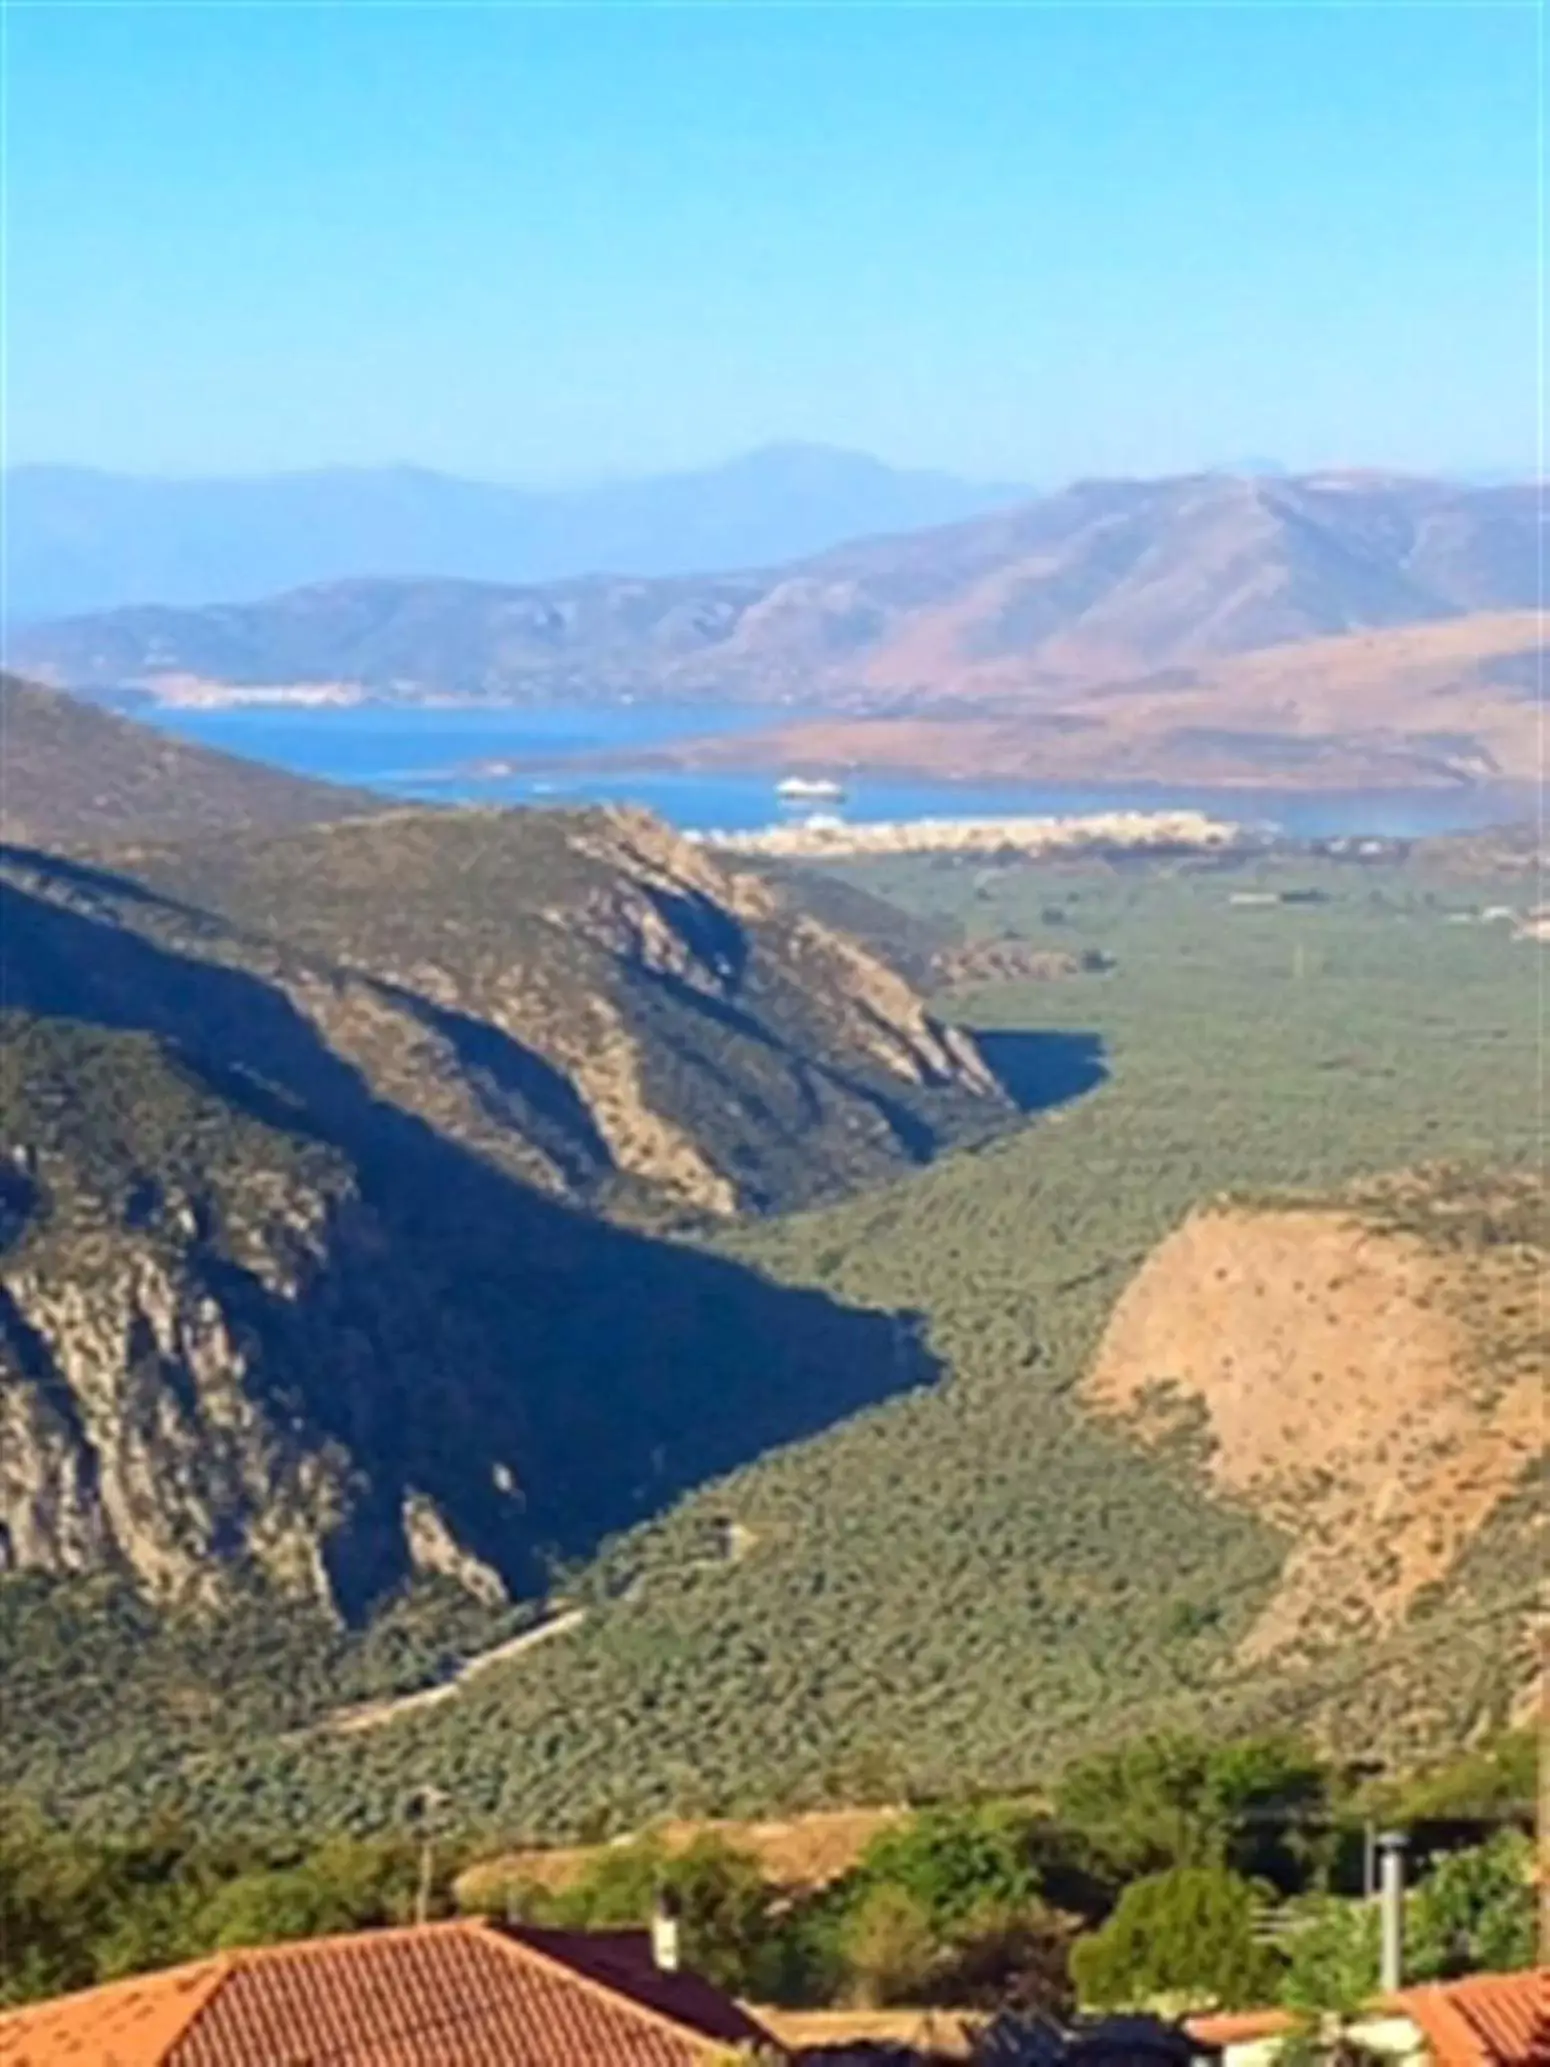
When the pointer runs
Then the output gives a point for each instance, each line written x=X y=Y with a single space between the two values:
x=1352 y=628
x=79 y=539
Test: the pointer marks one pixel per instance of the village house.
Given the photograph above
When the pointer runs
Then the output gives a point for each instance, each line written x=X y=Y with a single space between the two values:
x=459 y=1994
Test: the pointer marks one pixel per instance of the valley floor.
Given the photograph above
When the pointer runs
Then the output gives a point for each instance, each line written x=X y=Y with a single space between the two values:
x=975 y=1579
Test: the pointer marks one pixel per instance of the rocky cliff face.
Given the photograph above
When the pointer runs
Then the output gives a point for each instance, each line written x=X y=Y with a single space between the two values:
x=294 y=1286
x=133 y=1433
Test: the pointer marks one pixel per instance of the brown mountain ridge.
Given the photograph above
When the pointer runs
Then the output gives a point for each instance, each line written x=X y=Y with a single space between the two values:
x=1106 y=578
x=72 y=774
x=1335 y=628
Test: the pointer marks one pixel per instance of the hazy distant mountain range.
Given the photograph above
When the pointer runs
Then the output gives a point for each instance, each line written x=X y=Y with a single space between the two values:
x=1150 y=628
x=82 y=540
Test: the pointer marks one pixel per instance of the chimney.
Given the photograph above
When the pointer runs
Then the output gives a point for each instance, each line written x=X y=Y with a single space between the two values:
x=1391 y=1898
x=664 y=1932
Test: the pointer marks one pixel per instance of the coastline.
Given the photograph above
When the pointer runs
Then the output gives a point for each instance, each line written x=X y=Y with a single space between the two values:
x=1130 y=832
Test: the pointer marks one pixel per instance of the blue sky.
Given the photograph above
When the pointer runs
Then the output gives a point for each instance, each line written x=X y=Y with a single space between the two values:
x=544 y=244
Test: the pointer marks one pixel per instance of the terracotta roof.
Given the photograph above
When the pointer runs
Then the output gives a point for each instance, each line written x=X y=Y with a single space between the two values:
x=1239 y=2027
x=124 y=2024
x=461 y=1994
x=1485 y=2020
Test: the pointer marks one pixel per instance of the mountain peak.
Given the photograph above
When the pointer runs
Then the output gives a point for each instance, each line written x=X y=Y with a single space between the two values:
x=78 y=540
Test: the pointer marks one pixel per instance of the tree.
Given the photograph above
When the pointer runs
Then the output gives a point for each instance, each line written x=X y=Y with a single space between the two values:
x=888 y=1946
x=724 y=1901
x=1499 y=1778
x=52 y=1906
x=1009 y=1959
x=1146 y=1805
x=1475 y=1911
x=954 y=1863
x=343 y=1885
x=1174 y=1800
x=724 y=1905
x=1332 y=1957
x=1185 y=1933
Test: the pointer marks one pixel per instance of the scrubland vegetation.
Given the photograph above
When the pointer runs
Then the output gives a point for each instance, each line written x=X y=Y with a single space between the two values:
x=1166 y=1869
x=960 y=1589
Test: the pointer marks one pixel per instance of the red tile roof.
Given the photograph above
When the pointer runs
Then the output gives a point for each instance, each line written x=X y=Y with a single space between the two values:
x=126 y=2024
x=1485 y=2020
x=1239 y=2027
x=461 y=1994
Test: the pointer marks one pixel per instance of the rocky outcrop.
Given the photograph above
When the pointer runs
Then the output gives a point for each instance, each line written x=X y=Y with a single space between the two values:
x=274 y=1330
x=134 y=1432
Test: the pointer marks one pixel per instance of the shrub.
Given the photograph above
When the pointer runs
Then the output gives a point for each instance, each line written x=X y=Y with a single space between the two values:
x=1015 y=1959
x=954 y=1863
x=1475 y=1910
x=724 y=1901
x=888 y=1946
x=1185 y=1933
x=1332 y=1956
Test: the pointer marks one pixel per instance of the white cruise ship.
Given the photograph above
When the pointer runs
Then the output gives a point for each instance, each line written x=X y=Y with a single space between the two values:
x=804 y=789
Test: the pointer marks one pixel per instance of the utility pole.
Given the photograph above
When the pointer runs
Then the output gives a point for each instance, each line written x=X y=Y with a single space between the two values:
x=1391 y=1894
x=422 y=1808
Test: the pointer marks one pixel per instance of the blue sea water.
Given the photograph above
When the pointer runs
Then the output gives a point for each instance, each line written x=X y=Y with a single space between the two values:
x=420 y=754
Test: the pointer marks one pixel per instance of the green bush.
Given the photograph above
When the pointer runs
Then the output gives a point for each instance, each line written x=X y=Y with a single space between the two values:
x=953 y=1863
x=1475 y=1911
x=889 y=1947
x=1187 y=1934
x=725 y=1904
x=1332 y=1956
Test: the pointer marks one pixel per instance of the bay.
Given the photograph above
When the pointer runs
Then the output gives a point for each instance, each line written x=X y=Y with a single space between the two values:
x=423 y=755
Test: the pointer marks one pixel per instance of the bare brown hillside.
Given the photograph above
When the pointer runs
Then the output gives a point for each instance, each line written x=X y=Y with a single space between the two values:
x=796 y=1852
x=1366 y=1373
x=1412 y=706
x=1094 y=631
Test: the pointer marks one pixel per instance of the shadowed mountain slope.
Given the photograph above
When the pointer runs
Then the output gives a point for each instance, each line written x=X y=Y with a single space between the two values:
x=257 y=1323
x=586 y=998
x=294 y=1131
